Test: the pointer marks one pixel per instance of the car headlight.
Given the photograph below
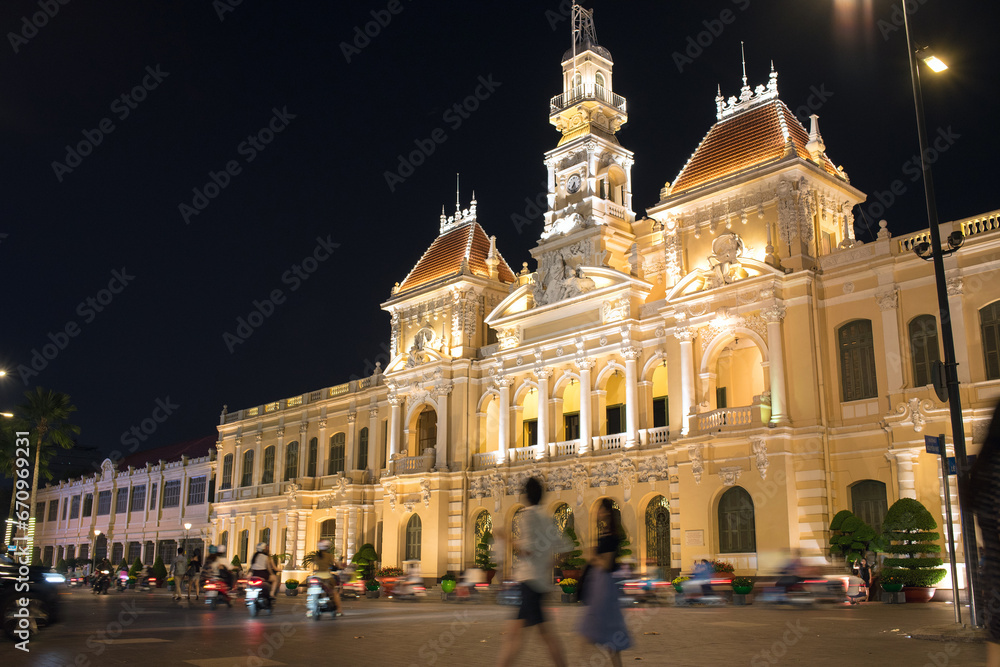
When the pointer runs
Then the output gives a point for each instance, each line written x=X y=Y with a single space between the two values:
x=54 y=578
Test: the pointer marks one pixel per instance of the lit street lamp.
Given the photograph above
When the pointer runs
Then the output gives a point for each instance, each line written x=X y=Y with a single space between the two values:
x=949 y=367
x=187 y=527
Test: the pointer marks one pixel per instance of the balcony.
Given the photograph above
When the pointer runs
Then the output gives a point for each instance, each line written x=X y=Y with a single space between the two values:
x=741 y=418
x=654 y=437
x=568 y=448
x=611 y=442
x=408 y=465
x=587 y=92
x=486 y=460
x=520 y=454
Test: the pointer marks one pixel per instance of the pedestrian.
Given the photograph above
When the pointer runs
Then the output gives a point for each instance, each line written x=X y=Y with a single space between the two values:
x=865 y=573
x=984 y=492
x=178 y=570
x=603 y=624
x=539 y=542
x=194 y=574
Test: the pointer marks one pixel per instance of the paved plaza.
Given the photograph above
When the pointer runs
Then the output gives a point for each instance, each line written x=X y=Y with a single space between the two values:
x=150 y=628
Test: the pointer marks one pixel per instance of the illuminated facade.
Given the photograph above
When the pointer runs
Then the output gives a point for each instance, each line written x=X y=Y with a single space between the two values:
x=733 y=368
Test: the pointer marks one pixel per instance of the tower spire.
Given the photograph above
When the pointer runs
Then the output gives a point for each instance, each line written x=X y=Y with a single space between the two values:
x=743 y=53
x=458 y=199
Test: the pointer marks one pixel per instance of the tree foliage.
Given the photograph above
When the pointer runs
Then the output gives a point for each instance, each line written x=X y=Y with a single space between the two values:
x=911 y=530
x=484 y=552
x=365 y=558
x=851 y=538
x=159 y=570
x=572 y=560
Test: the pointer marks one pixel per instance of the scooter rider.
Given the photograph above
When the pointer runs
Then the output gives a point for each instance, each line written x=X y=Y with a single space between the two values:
x=262 y=566
x=322 y=565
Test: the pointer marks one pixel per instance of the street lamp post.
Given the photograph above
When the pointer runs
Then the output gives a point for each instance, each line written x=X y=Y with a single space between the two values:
x=93 y=553
x=947 y=336
x=187 y=527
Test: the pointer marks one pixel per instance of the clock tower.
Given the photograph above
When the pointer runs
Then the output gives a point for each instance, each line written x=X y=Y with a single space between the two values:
x=589 y=218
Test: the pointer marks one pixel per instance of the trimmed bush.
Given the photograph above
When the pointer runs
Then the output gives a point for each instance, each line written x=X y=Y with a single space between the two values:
x=851 y=538
x=909 y=530
x=574 y=559
x=484 y=552
x=236 y=563
x=136 y=568
x=159 y=569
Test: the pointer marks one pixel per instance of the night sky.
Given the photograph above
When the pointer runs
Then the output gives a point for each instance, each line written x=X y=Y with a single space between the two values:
x=167 y=283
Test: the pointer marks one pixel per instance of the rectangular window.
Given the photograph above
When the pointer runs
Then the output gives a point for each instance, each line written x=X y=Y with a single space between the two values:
x=138 y=503
x=227 y=472
x=65 y=508
x=267 y=477
x=337 y=445
x=247 y=478
x=720 y=398
x=40 y=512
x=121 y=501
x=172 y=494
x=53 y=510
x=385 y=440
x=661 y=412
x=196 y=490
x=311 y=462
x=530 y=432
x=74 y=508
x=615 y=413
x=571 y=426
x=103 y=503
x=88 y=505
x=152 y=496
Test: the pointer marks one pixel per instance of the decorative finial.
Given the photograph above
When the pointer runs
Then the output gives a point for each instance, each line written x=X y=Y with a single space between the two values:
x=744 y=54
x=458 y=201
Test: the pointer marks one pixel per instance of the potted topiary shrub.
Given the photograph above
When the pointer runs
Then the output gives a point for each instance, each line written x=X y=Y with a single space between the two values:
x=372 y=588
x=159 y=571
x=569 y=587
x=723 y=569
x=292 y=587
x=365 y=559
x=851 y=538
x=742 y=585
x=448 y=584
x=573 y=561
x=908 y=528
x=61 y=566
x=484 y=556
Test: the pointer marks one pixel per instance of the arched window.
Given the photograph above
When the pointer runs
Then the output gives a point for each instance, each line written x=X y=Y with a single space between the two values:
x=265 y=536
x=267 y=477
x=516 y=522
x=362 y=463
x=413 y=538
x=599 y=79
x=658 y=532
x=577 y=80
x=328 y=530
x=291 y=461
x=661 y=402
x=244 y=545
x=602 y=527
x=868 y=502
x=857 y=361
x=426 y=430
x=224 y=540
x=924 y=350
x=117 y=553
x=337 y=444
x=564 y=518
x=737 y=529
x=227 y=472
x=989 y=319
x=484 y=524
x=247 y=479
x=313 y=454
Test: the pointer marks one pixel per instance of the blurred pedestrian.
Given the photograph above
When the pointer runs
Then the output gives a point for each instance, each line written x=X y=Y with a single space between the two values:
x=984 y=487
x=603 y=623
x=539 y=542
x=178 y=570
x=194 y=574
x=865 y=573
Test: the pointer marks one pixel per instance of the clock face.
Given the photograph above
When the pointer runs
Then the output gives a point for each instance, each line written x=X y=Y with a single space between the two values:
x=573 y=184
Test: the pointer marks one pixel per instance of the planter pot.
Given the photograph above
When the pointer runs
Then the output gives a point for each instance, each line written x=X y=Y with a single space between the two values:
x=678 y=587
x=892 y=588
x=572 y=574
x=740 y=599
x=291 y=592
x=918 y=593
x=489 y=576
x=569 y=597
x=742 y=590
x=448 y=585
x=371 y=594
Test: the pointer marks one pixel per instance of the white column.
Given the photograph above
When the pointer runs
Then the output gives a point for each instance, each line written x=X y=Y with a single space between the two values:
x=254 y=536
x=338 y=539
x=352 y=533
x=237 y=469
x=887 y=299
x=293 y=529
x=374 y=450
x=275 y=536
x=349 y=454
x=543 y=375
x=300 y=536
x=394 y=418
x=441 y=445
x=686 y=337
x=258 y=458
x=904 y=474
x=504 y=383
x=279 y=458
x=322 y=450
x=303 y=449
x=955 y=291
x=585 y=366
x=631 y=355
x=774 y=314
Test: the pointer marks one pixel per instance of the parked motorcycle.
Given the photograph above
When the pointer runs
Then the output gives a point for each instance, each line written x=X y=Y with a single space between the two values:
x=217 y=591
x=258 y=596
x=319 y=599
x=102 y=582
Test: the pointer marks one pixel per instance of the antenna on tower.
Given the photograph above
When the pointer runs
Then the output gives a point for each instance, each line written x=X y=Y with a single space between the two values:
x=458 y=199
x=744 y=55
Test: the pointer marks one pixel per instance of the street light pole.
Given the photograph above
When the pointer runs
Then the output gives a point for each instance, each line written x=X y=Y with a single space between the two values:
x=947 y=337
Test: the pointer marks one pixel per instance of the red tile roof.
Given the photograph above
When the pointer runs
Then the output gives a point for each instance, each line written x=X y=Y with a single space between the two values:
x=189 y=448
x=444 y=257
x=745 y=140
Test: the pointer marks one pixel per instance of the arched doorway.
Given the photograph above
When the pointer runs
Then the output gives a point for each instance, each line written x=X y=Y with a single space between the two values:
x=658 y=533
x=739 y=374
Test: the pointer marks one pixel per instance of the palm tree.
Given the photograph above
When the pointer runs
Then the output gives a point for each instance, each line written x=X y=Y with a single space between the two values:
x=46 y=415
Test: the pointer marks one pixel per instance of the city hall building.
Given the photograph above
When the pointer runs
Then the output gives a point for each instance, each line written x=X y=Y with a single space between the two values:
x=732 y=367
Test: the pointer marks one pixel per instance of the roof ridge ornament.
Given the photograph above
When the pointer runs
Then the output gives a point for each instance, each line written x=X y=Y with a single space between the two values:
x=747 y=100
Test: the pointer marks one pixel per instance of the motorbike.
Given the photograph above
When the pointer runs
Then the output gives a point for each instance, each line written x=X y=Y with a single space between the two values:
x=120 y=584
x=643 y=590
x=319 y=599
x=102 y=582
x=74 y=582
x=217 y=591
x=702 y=592
x=808 y=591
x=146 y=583
x=410 y=588
x=258 y=596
